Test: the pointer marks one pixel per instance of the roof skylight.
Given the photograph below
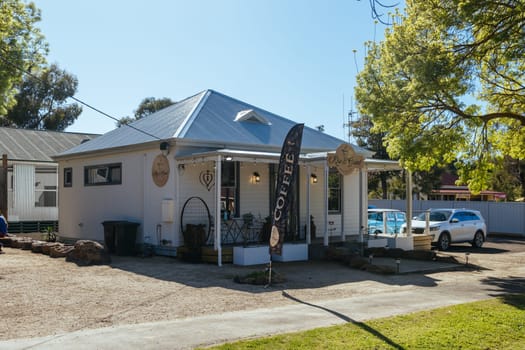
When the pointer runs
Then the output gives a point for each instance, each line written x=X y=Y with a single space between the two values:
x=249 y=115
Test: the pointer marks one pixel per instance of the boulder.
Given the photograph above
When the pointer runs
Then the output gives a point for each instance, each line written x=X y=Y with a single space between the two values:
x=21 y=243
x=36 y=246
x=60 y=251
x=6 y=241
x=87 y=252
x=46 y=248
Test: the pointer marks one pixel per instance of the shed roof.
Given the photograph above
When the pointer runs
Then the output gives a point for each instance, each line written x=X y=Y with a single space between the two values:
x=37 y=145
x=211 y=117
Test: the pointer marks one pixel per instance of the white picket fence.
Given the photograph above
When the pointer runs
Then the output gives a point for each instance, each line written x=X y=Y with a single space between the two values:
x=501 y=217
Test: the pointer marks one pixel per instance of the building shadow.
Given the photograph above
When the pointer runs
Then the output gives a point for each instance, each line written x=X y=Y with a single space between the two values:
x=295 y=275
x=372 y=331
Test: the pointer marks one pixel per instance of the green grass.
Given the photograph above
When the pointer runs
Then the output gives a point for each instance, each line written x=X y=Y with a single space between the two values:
x=491 y=324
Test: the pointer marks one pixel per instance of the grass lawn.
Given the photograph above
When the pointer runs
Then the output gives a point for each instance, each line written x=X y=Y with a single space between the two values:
x=491 y=324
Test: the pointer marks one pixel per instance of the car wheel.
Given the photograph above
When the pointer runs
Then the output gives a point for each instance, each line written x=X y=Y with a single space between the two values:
x=477 y=242
x=443 y=241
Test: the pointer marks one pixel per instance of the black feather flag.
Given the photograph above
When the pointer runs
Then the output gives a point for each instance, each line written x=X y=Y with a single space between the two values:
x=286 y=178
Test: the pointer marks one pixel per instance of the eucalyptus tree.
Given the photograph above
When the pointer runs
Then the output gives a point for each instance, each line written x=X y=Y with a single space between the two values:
x=22 y=47
x=447 y=85
x=43 y=101
x=146 y=107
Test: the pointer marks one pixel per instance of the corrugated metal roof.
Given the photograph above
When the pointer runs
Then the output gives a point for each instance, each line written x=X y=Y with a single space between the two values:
x=216 y=122
x=160 y=125
x=210 y=117
x=37 y=145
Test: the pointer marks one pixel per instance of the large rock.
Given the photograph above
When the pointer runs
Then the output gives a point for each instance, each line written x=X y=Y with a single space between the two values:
x=88 y=253
x=21 y=243
x=36 y=246
x=60 y=251
x=46 y=247
x=6 y=241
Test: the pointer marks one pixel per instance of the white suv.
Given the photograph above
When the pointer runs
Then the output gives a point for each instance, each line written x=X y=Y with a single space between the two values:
x=451 y=226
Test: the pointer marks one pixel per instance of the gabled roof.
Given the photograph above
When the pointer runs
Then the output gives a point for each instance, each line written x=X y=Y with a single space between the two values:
x=212 y=118
x=37 y=145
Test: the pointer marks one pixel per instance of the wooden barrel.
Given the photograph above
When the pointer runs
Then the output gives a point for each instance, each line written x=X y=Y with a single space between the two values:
x=422 y=242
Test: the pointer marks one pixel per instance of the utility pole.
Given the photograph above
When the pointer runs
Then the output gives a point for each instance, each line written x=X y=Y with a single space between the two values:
x=3 y=186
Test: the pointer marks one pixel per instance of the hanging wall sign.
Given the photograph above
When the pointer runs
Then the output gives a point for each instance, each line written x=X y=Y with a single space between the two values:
x=345 y=159
x=160 y=170
x=207 y=179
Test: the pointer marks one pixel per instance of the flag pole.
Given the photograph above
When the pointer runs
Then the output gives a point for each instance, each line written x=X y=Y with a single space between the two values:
x=269 y=273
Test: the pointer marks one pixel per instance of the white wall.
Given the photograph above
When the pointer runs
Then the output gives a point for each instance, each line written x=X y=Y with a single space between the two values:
x=137 y=199
x=351 y=202
x=254 y=197
x=317 y=199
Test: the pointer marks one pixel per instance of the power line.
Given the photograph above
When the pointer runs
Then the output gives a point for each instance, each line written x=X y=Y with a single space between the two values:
x=77 y=99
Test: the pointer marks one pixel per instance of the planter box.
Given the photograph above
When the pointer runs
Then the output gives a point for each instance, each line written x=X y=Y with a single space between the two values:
x=251 y=255
x=377 y=242
x=422 y=242
x=292 y=252
x=401 y=242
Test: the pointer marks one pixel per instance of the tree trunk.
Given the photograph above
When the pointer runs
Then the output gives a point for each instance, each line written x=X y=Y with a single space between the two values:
x=384 y=185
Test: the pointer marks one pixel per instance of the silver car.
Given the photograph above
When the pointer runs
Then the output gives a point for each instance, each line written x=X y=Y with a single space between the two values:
x=448 y=226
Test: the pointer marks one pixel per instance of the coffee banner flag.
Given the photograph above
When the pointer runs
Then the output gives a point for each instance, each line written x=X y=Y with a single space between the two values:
x=286 y=177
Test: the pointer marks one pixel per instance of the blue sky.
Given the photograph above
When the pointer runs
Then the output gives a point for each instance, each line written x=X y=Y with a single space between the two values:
x=291 y=57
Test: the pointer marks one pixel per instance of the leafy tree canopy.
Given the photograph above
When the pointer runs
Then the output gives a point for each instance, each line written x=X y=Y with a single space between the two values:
x=151 y=105
x=42 y=101
x=146 y=107
x=448 y=85
x=21 y=45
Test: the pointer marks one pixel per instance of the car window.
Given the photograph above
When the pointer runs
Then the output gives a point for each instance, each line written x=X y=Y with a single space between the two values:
x=460 y=216
x=390 y=217
x=375 y=216
x=439 y=215
x=400 y=217
x=471 y=216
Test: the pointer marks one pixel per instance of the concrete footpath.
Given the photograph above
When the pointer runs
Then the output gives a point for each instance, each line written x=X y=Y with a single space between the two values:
x=214 y=329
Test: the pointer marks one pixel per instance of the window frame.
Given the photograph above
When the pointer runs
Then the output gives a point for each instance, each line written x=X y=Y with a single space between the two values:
x=231 y=190
x=109 y=176
x=68 y=175
x=337 y=190
x=46 y=187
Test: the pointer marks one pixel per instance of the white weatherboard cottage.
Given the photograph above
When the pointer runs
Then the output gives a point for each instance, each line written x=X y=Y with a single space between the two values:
x=162 y=172
x=30 y=185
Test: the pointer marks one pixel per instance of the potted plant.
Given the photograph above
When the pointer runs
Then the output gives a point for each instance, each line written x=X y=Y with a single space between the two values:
x=312 y=228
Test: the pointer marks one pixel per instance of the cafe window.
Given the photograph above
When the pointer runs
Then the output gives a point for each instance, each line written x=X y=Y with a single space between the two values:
x=106 y=174
x=230 y=189
x=334 y=192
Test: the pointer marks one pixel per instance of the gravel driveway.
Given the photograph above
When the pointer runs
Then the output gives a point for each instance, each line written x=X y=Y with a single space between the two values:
x=45 y=296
